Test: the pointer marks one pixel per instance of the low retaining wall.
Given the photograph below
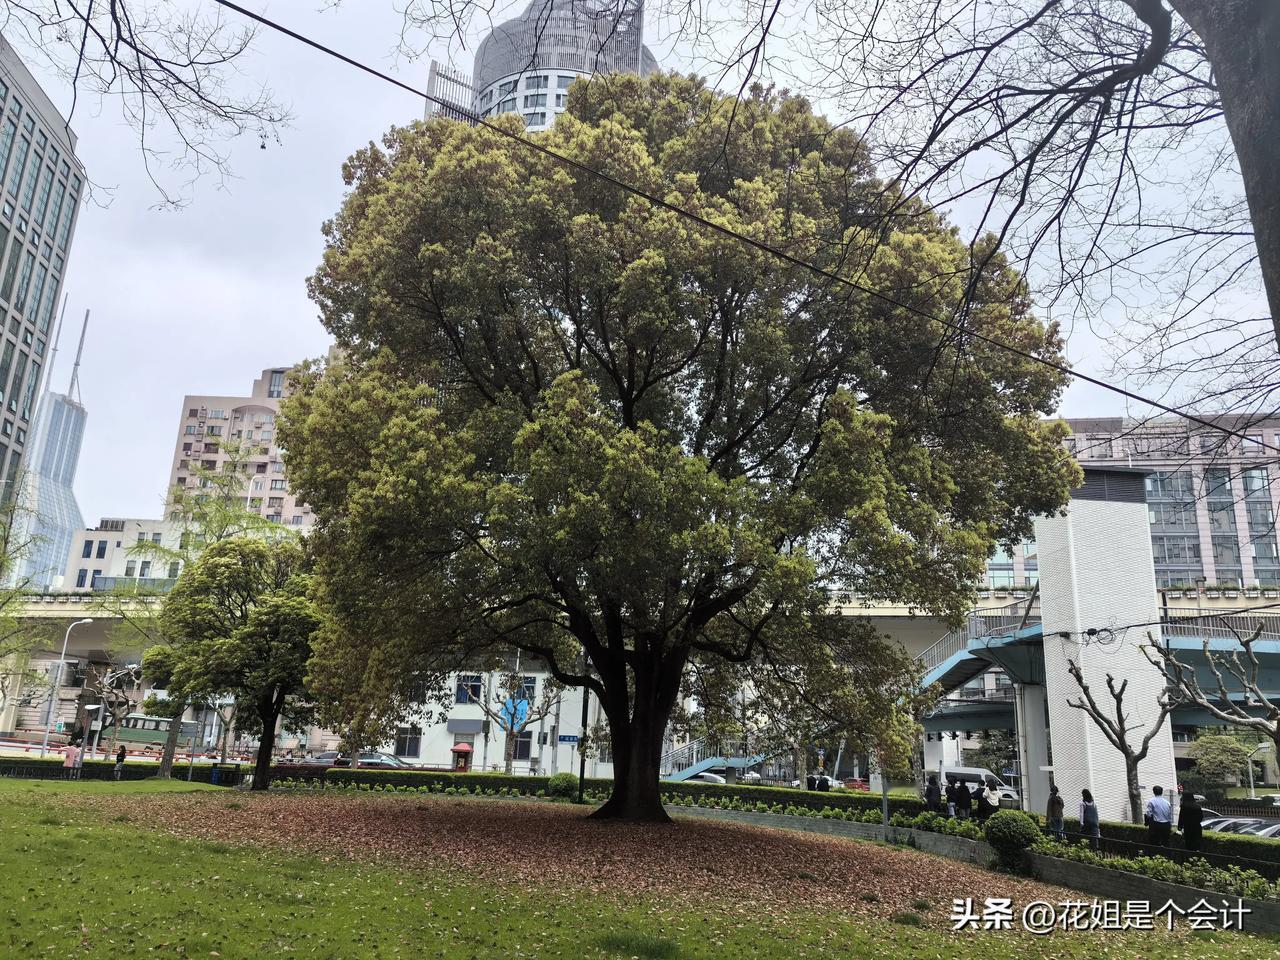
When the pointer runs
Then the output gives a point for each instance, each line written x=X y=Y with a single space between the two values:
x=1098 y=882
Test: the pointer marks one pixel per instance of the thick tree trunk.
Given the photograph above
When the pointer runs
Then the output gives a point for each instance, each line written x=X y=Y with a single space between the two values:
x=268 y=713
x=170 y=746
x=637 y=753
x=1242 y=38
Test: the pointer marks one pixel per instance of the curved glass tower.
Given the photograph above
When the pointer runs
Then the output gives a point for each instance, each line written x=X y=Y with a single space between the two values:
x=526 y=65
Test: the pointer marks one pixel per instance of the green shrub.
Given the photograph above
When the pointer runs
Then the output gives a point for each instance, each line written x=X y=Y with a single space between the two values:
x=907 y=919
x=1011 y=834
x=563 y=785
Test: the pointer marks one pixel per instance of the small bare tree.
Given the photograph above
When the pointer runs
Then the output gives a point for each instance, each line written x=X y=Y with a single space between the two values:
x=1235 y=695
x=512 y=711
x=1115 y=726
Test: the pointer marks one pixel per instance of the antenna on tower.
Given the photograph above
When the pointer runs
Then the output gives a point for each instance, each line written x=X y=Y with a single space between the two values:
x=74 y=388
x=57 y=334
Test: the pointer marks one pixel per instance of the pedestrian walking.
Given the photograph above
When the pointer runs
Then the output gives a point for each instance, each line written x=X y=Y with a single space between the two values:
x=1190 y=816
x=1055 y=813
x=951 y=797
x=118 y=772
x=70 y=761
x=1159 y=818
x=964 y=800
x=933 y=795
x=1090 y=823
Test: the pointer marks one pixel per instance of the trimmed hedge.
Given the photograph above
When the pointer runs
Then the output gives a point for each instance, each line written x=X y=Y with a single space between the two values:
x=1226 y=844
x=534 y=786
x=792 y=796
x=50 y=767
x=524 y=785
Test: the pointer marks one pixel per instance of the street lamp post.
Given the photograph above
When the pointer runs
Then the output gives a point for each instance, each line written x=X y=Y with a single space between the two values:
x=44 y=747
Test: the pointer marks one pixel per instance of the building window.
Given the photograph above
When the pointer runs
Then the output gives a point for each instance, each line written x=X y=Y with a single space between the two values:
x=1252 y=444
x=506 y=87
x=277 y=485
x=564 y=82
x=87 y=552
x=535 y=119
x=297 y=520
x=175 y=567
x=145 y=570
x=506 y=106
x=81 y=576
x=536 y=83
x=1255 y=483
x=275 y=501
x=276 y=389
x=409 y=741
x=155 y=538
x=535 y=100
x=469 y=687
x=524 y=745
x=130 y=568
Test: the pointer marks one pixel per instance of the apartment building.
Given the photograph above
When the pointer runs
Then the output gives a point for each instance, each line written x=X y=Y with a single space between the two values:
x=210 y=425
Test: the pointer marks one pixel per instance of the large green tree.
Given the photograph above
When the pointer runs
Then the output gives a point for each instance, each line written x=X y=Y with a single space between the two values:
x=244 y=622
x=598 y=432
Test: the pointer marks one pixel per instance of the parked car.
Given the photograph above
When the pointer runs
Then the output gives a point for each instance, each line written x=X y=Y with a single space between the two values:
x=1257 y=829
x=751 y=776
x=706 y=777
x=1234 y=824
x=1270 y=830
x=855 y=783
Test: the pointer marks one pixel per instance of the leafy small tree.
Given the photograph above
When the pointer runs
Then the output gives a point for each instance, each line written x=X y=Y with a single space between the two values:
x=997 y=749
x=245 y=620
x=1218 y=756
x=210 y=508
x=509 y=708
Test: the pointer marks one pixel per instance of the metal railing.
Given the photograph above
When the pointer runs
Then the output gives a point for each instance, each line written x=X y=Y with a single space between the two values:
x=983 y=622
x=1221 y=625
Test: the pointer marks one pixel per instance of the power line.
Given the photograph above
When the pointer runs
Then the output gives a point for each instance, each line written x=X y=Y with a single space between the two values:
x=760 y=245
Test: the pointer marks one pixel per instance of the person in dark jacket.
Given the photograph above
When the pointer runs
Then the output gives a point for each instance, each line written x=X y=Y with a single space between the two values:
x=1190 y=815
x=1090 y=822
x=933 y=795
x=1054 y=813
x=964 y=800
x=951 y=797
x=118 y=772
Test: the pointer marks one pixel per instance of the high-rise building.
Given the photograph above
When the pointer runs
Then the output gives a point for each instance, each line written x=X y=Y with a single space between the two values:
x=526 y=65
x=40 y=189
x=209 y=425
x=1212 y=499
x=50 y=516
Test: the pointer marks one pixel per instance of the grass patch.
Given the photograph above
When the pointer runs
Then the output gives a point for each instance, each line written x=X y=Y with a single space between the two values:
x=921 y=905
x=73 y=884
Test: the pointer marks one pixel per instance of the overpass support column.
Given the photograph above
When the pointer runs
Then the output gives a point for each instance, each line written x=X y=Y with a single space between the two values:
x=1031 y=717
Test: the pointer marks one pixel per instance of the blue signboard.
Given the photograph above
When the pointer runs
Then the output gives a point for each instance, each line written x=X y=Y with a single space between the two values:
x=568 y=738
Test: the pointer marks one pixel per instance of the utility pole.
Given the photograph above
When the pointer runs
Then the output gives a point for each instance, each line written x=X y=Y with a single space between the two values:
x=582 y=735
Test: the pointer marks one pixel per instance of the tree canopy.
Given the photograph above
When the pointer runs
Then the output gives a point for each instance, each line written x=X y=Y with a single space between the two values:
x=244 y=623
x=575 y=425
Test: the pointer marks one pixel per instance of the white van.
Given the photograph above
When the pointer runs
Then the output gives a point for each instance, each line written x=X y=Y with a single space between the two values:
x=977 y=775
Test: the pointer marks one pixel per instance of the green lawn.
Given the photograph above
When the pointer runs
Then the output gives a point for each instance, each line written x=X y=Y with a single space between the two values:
x=72 y=885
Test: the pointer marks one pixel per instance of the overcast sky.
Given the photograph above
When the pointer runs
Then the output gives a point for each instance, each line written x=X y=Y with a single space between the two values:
x=200 y=300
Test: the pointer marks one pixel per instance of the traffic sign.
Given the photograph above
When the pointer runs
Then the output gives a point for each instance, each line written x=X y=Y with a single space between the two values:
x=568 y=738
